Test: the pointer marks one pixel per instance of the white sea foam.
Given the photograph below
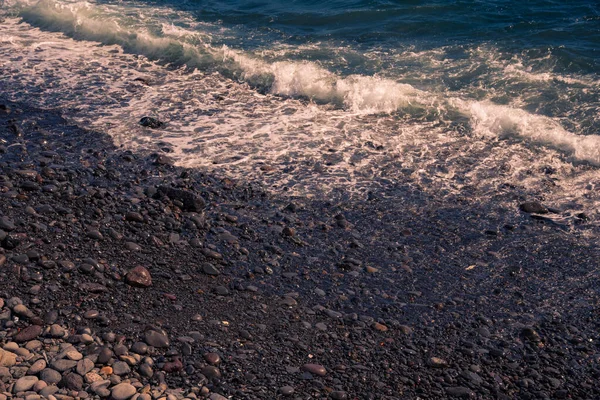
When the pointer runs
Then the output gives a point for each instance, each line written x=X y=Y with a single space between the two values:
x=214 y=121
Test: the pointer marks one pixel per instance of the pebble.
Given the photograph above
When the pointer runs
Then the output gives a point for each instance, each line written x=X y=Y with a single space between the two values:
x=104 y=355
x=7 y=359
x=25 y=383
x=72 y=381
x=84 y=366
x=533 y=207
x=37 y=367
x=139 y=277
x=315 y=369
x=156 y=339
x=63 y=365
x=339 y=395
x=212 y=358
x=437 y=362
x=50 y=376
x=28 y=333
x=139 y=348
x=7 y=224
x=211 y=372
x=286 y=390
x=121 y=368
x=460 y=391
x=210 y=269
x=123 y=391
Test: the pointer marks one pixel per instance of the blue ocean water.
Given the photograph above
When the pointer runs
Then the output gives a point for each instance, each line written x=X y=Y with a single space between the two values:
x=568 y=31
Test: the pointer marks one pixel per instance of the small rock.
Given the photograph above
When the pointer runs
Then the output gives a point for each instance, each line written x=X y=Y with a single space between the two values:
x=25 y=383
x=139 y=277
x=72 y=381
x=84 y=366
x=29 y=333
x=533 y=207
x=460 y=391
x=315 y=369
x=123 y=391
x=286 y=390
x=50 y=376
x=156 y=339
x=37 y=367
x=380 y=327
x=437 y=362
x=7 y=359
x=212 y=358
x=210 y=269
x=151 y=122
x=339 y=395
x=211 y=372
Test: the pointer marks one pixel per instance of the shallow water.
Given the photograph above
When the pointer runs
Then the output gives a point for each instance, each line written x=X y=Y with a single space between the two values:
x=331 y=99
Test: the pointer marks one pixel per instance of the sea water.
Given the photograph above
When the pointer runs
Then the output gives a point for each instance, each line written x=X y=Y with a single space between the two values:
x=317 y=98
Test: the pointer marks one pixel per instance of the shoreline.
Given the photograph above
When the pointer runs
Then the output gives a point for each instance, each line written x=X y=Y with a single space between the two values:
x=401 y=296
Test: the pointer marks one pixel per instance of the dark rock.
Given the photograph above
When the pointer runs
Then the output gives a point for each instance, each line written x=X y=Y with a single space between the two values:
x=7 y=224
x=50 y=376
x=286 y=390
x=533 y=207
x=173 y=366
x=105 y=355
x=210 y=269
x=156 y=339
x=460 y=391
x=191 y=202
x=27 y=334
x=315 y=369
x=151 y=122
x=211 y=372
x=139 y=348
x=212 y=358
x=72 y=381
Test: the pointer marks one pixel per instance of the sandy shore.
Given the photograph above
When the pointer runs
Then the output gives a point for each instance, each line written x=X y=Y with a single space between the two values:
x=175 y=284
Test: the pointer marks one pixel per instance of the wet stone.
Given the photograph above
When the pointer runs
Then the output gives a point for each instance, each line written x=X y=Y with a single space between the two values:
x=315 y=369
x=7 y=224
x=156 y=339
x=139 y=277
x=437 y=362
x=286 y=390
x=139 y=348
x=339 y=395
x=29 y=333
x=460 y=392
x=211 y=372
x=210 y=269
x=533 y=207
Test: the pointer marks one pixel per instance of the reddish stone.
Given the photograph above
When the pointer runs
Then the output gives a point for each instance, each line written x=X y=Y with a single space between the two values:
x=139 y=277
x=173 y=366
x=315 y=369
x=27 y=334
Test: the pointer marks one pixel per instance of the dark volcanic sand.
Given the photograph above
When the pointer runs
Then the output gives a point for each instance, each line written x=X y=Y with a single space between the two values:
x=398 y=296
